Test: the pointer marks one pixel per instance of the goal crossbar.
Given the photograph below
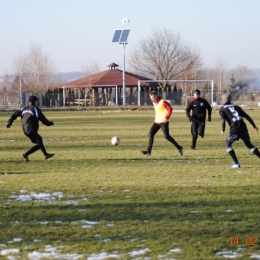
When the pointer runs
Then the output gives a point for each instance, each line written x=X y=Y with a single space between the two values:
x=180 y=80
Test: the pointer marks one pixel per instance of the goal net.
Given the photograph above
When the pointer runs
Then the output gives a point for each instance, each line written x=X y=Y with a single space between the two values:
x=183 y=89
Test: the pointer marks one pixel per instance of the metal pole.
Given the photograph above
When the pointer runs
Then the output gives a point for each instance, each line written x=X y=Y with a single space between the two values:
x=85 y=97
x=124 y=88
x=40 y=100
x=23 y=99
x=79 y=96
x=138 y=93
x=64 y=95
x=116 y=97
x=242 y=93
x=212 y=87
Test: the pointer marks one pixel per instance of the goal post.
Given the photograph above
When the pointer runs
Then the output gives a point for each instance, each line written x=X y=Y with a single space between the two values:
x=166 y=81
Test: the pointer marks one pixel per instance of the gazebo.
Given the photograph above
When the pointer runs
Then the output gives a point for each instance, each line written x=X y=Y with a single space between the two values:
x=106 y=87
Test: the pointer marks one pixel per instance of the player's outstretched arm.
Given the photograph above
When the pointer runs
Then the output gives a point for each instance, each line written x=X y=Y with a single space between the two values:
x=13 y=117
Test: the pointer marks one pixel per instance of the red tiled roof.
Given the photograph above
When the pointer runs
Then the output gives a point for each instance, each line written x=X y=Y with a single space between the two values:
x=111 y=77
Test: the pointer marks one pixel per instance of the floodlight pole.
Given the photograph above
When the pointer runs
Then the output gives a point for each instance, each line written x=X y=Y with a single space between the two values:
x=124 y=87
x=120 y=37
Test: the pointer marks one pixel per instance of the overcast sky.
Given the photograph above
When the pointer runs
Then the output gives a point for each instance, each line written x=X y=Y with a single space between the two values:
x=73 y=32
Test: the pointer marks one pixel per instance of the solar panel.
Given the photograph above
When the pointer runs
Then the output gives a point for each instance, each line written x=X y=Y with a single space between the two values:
x=121 y=35
x=124 y=35
x=117 y=35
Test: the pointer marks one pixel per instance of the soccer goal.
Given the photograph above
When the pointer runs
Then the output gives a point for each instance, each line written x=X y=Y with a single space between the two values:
x=173 y=81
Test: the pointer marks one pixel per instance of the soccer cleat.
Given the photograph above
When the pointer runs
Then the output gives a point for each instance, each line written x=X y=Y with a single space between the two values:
x=48 y=156
x=25 y=158
x=180 y=150
x=146 y=152
x=192 y=148
x=235 y=166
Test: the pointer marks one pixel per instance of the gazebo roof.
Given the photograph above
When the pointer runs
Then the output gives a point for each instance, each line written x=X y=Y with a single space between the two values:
x=107 y=78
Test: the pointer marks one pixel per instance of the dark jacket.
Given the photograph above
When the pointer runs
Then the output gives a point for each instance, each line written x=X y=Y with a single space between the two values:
x=234 y=114
x=199 y=109
x=30 y=116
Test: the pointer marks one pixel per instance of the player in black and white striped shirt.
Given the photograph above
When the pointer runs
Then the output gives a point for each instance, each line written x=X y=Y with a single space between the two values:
x=30 y=116
x=234 y=114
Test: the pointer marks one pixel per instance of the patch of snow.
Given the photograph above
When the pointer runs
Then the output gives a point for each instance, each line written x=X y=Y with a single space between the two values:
x=175 y=250
x=228 y=254
x=102 y=256
x=139 y=252
x=6 y=252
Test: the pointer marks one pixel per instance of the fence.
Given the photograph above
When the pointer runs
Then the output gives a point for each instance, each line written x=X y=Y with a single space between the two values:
x=178 y=98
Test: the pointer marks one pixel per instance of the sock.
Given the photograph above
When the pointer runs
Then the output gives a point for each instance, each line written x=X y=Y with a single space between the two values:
x=194 y=142
x=233 y=156
x=32 y=150
x=257 y=153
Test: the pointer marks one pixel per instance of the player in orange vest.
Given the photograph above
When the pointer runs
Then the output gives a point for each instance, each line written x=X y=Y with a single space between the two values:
x=163 y=111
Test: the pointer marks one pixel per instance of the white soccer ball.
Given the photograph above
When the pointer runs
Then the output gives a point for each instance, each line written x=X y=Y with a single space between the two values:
x=115 y=140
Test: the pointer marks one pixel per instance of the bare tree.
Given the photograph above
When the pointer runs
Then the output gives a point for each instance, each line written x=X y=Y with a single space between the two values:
x=220 y=73
x=39 y=70
x=48 y=72
x=6 y=91
x=18 y=85
x=91 y=68
x=87 y=70
x=164 y=56
x=35 y=70
x=241 y=78
x=244 y=76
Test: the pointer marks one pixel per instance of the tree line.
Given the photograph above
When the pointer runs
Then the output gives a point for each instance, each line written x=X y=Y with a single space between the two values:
x=164 y=55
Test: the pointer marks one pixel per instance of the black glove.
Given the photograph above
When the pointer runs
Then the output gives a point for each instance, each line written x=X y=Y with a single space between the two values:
x=51 y=123
x=8 y=125
x=209 y=118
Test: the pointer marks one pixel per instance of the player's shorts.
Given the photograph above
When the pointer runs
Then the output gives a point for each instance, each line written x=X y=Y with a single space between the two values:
x=35 y=138
x=197 y=129
x=232 y=137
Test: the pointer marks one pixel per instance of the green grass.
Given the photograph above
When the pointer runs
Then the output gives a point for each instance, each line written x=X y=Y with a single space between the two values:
x=161 y=202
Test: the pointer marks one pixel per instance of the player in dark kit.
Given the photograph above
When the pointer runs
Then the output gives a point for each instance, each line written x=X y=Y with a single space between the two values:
x=30 y=116
x=234 y=114
x=199 y=107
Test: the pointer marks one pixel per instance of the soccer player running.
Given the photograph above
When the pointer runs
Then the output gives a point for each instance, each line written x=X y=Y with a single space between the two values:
x=30 y=116
x=163 y=111
x=199 y=107
x=234 y=114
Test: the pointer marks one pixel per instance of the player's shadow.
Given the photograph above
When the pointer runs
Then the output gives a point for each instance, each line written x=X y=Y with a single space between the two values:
x=149 y=158
x=7 y=173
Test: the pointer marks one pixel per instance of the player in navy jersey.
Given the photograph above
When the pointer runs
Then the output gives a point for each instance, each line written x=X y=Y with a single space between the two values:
x=199 y=107
x=30 y=117
x=234 y=114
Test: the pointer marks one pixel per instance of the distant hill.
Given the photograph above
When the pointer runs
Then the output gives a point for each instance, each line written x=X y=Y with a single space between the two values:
x=64 y=77
x=59 y=78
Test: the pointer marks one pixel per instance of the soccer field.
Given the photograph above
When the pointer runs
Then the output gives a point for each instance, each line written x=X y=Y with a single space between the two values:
x=96 y=201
